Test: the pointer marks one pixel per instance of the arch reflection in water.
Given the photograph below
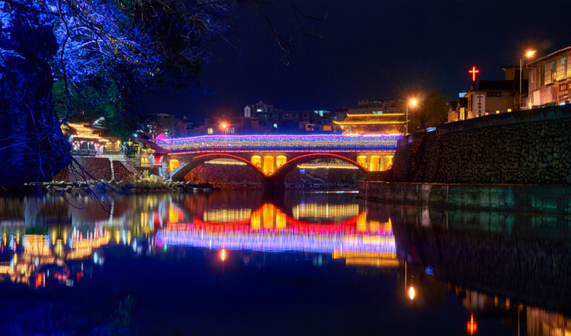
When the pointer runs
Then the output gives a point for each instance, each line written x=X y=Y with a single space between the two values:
x=269 y=229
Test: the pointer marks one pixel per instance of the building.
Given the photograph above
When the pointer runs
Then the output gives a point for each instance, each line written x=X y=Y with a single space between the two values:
x=549 y=79
x=232 y=125
x=457 y=110
x=260 y=107
x=373 y=106
x=491 y=97
x=273 y=120
x=94 y=140
x=385 y=123
x=373 y=116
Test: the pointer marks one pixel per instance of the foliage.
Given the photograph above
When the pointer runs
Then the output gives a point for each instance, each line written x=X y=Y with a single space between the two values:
x=431 y=111
x=102 y=55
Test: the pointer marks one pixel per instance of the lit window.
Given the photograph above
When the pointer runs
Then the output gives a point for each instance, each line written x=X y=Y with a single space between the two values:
x=497 y=111
x=210 y=131
x=280 y=160
x=259 y=110
x=257 y=161
x=509 y=110
x=268 y=165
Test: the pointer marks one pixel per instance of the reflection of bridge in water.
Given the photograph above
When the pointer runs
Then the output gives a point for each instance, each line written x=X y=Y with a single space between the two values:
x=269 y=229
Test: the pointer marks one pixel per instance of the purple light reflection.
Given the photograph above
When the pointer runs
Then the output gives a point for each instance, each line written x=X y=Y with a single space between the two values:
x=279 y=241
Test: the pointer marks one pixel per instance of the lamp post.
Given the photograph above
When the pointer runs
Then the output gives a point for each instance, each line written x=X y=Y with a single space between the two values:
x=529 y=53
x=412 y=103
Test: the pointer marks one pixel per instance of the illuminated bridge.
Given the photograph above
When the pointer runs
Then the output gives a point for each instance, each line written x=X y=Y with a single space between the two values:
x=274 y=156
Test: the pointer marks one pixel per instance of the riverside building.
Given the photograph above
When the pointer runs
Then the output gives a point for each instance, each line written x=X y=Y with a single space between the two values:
x=550 y=79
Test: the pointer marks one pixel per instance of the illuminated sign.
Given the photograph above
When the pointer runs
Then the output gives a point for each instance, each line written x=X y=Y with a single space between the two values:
x=479 y=104
x=474 y=72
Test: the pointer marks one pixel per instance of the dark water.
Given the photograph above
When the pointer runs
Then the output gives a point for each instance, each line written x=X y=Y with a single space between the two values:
x=292 y=264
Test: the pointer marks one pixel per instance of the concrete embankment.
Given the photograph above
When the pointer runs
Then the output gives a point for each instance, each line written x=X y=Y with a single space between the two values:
x=518 y=198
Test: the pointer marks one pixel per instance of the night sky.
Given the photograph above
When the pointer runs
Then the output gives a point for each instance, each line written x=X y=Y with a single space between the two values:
x=371 y=49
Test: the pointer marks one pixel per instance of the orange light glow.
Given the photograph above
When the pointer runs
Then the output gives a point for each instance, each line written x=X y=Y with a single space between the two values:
x=413 y=102
x=223 y=254
x=39 y=280
x=411 y=293
x=530 y=53
x=474 y=72
x=224 y=126
x=472 y=325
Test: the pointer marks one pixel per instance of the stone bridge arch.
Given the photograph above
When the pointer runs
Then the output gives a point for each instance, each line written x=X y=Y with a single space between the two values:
x=278 y=177
x=179 y=173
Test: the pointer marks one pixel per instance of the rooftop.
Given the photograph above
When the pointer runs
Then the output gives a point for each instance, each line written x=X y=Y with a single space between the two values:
x=504 y=85
x=369 y=118
x=548 y=56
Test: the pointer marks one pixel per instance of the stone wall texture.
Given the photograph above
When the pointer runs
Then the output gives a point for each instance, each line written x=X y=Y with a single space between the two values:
x=98 y=168
x=527 y=147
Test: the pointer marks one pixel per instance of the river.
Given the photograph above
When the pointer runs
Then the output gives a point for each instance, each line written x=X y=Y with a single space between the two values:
x=293 y=263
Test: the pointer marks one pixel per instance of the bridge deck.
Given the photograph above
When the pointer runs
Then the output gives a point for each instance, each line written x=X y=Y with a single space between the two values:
x=281 y=143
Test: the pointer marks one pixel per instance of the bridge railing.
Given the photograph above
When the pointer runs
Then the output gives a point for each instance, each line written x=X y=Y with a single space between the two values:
x=311 y=143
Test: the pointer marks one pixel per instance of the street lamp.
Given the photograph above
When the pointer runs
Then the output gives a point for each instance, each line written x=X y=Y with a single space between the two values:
x=529 y=53
x=224 y=127
x=412 y=103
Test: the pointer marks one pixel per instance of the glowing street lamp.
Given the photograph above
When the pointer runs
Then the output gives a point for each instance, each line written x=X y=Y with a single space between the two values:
x=528 y=54
x=413 y=102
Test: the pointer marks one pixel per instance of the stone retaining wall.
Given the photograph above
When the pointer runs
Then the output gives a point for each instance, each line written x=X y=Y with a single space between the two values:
x=97 y=168
x=527 y=147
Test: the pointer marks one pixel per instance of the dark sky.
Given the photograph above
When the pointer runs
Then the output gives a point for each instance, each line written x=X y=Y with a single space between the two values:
x=371 y=49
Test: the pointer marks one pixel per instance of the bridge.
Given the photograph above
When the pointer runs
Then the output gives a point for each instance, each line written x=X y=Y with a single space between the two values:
x=274 y=156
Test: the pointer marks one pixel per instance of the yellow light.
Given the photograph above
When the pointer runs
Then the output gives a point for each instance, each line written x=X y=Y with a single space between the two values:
x=380 y=116
x=223 y=125
x=411 y=293
x=223 y=254
x=529 y=53
x=413 y=102
x=367 y=122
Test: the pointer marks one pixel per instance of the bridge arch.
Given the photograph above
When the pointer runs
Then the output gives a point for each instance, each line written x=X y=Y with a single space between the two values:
x=282 y=171
x=196 y=161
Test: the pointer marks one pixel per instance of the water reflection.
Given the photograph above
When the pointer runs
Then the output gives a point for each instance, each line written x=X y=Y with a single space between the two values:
x=76 y=230
x=498 y=265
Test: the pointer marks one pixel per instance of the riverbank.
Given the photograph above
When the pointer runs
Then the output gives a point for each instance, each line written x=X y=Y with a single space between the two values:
x=479 y=197
x=100 y=186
